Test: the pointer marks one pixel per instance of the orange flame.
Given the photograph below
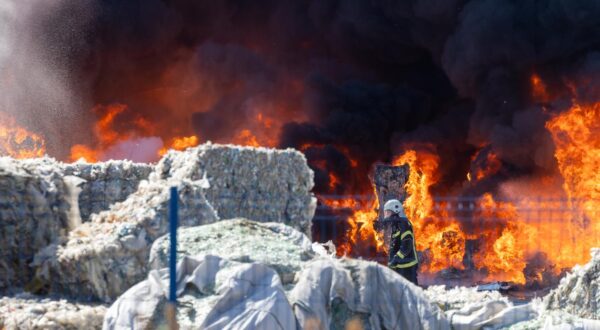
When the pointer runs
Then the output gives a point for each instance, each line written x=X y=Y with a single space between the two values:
x=104 y=133
x=246 y=138
x=538 y=88
x=180 y=143
x=488 y=167
x=576 y=135
x=438 y=234
x=18 y=142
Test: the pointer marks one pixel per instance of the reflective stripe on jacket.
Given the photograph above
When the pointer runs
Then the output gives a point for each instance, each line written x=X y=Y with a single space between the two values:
x=402 y=251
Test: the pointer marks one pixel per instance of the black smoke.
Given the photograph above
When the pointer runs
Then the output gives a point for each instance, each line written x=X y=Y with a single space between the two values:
x=368 y=76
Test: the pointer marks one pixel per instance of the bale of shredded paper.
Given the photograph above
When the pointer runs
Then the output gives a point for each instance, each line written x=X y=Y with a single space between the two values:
x=579 y=291
x=106 y=183
x=259 y=184
x=42 y=199
x=104 y=257
x=28 y=312
x=276 y=245
x=33 y=213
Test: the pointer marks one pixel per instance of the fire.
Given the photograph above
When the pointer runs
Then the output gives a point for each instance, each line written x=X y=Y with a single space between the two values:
x=17 y=142
x=333 y=181
x=504 y=240
x=108 y=133
x=576 y=135
x=104 y=132
x=438 y=234
x=246 y=138
x=484 y=167
x=180 y=143
x=361 y=232
x=539 y=89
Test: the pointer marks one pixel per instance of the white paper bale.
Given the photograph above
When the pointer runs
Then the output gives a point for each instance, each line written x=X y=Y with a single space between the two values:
x=106 y=183
x=104 y=257
x=259 y=184
x=42 y=199
x=33 y=213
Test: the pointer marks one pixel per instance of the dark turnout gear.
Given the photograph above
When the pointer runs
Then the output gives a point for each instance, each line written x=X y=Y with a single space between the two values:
x=402 y=251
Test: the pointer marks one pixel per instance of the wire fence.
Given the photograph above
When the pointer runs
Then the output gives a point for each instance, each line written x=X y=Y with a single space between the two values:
x=535 y=238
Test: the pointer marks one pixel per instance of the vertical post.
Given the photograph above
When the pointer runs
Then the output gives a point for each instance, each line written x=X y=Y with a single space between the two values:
x=171 y=311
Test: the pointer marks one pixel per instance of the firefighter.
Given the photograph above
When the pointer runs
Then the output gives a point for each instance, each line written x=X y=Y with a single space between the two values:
x=402 y=251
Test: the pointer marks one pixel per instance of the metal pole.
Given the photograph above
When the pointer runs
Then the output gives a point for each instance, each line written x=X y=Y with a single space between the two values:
x=171 y=308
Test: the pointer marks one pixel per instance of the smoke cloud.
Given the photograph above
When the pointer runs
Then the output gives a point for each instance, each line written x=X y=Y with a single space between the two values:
x=351 y=82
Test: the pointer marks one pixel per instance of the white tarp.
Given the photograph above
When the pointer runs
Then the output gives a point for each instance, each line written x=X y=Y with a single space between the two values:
x=249 y=297
x=390 y=301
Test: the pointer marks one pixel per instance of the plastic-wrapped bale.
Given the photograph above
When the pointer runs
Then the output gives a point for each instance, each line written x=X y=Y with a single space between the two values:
x=274 y=244
x=579 y=291
x=342 y=293
x=106 y=183
x=104 y=257
x=260 y=184
x=28 y=312
x=215 y=293
x=33 y=213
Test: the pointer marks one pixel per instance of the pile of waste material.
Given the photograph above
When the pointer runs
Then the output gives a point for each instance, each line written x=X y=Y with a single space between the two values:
x=274 y=244
x=579 y=291
x=259 y=184
x=27 y=311
x=33 y=213
x=42 y=200
x=104 y=257
x=104 y=184
x=237 y=273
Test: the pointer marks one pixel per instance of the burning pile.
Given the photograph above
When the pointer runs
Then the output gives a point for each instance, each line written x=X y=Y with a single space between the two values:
x=493 y=234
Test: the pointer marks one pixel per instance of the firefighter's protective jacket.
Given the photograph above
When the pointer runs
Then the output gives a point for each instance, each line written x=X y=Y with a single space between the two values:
x=403 y=251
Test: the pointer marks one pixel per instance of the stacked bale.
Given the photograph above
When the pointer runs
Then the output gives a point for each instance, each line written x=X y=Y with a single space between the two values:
x=259 y=184
x=42 y=199
x=106 y=183
x=104 y=257
x=33 y=213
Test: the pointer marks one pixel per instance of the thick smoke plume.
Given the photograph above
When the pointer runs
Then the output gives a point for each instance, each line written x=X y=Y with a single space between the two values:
x=349 y=82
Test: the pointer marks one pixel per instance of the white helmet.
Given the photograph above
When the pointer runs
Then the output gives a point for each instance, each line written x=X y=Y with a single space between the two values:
x=395 y=206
